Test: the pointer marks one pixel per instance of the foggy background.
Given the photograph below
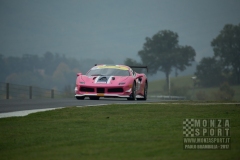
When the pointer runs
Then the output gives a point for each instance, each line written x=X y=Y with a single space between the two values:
x=109 y=31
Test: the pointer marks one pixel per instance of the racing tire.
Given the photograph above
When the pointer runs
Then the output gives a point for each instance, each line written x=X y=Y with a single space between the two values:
x=133 y=95
x=94 y=98
x=80 y=98
x=145 y=93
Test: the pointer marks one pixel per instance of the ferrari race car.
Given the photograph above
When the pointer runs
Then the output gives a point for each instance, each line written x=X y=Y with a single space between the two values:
x=118 y=81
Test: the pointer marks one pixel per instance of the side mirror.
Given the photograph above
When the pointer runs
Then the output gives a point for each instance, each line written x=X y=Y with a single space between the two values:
x=78 y=74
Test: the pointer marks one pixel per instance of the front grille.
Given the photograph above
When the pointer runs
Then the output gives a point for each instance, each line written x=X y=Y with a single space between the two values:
x=86 y=89
x=100 y=90
x=115 y=90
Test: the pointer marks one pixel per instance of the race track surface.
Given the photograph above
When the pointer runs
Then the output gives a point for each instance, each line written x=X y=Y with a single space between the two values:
x=32 y=104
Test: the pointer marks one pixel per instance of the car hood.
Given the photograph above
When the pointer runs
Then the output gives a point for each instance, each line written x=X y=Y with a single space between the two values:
x=111 y=80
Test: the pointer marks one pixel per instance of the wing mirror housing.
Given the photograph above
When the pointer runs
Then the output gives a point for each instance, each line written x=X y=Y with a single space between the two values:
x=78 y=74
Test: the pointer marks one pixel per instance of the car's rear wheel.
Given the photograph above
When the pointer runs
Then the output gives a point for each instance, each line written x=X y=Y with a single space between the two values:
x=133 y=95
x=145 y=92
x=80 y=98
x=94 y=98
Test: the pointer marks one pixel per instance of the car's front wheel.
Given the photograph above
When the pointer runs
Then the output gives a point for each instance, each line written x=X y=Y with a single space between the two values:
x=80 y=98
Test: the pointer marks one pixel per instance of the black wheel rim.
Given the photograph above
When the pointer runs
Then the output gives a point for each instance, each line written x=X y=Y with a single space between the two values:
x=134 y=92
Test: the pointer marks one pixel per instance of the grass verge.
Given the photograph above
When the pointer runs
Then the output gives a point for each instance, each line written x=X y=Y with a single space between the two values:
x=157 y=88
x=138 y=131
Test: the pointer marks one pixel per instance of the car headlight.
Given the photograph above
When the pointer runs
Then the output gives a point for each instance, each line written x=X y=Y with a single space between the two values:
x=122 y=83
x=82 y=82
x=76 y=89
x=129 y=90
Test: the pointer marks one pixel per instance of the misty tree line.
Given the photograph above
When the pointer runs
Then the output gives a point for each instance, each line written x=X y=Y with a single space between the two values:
x=224 y=66
x=160 y=53
x=49 y=70
x=163 y=53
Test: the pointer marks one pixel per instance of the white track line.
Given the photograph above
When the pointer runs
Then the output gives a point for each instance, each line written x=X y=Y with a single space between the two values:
x=24 y=113
x=27 y=112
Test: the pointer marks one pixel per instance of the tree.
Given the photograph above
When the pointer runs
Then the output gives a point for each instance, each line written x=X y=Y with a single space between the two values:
x=48 y=63
x=226 y=47
x=59 y=75
x=225 y=92
x=209 y=72
x=29 y=62
x=163 y=53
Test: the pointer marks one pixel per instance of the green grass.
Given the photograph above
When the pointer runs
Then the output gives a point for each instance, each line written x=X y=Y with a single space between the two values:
x=147 y=131
x=157 y=88
x=210 y=91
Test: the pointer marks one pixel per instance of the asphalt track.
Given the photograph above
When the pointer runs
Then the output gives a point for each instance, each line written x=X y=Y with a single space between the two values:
x=33 y=104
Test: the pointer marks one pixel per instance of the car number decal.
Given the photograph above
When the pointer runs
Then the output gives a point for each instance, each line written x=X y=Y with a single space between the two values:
x=100 y=94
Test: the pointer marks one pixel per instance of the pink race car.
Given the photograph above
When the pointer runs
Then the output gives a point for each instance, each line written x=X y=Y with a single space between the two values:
x=118 y=81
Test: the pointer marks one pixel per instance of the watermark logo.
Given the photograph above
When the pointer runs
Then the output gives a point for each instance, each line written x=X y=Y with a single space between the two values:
x=206 y=134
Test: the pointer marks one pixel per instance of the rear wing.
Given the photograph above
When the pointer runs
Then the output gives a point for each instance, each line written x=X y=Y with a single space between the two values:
x=139 y=67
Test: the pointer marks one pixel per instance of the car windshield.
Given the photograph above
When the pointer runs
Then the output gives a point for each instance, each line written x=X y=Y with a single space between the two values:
x=108 y=72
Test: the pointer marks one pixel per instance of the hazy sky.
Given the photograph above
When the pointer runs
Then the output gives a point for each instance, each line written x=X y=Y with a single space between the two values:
x=114 y=29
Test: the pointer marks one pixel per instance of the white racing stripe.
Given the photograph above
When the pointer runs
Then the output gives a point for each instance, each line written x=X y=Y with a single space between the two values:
x=96 y=79
x=109 y=79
